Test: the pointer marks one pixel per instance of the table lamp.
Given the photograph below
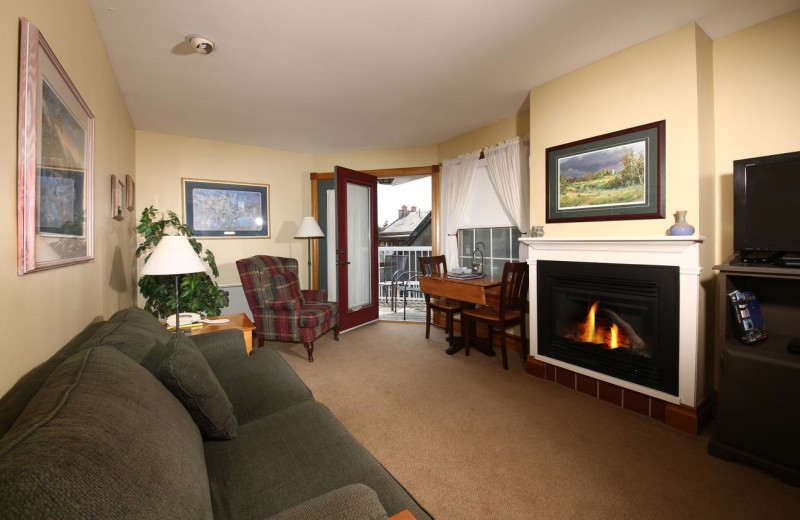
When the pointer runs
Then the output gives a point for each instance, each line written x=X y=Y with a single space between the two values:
x=309 y=229
x=173 y=255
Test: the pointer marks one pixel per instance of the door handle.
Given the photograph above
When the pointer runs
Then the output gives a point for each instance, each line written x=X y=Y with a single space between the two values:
x=343 y=263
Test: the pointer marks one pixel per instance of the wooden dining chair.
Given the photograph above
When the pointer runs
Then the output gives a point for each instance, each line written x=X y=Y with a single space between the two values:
x=438 y=265
x=511 y=310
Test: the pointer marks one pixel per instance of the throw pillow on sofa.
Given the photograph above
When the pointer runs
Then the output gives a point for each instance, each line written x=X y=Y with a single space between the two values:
x=187 y=374
x=103 y=438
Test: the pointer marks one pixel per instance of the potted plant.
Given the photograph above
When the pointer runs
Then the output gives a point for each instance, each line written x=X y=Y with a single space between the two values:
x=198 y=291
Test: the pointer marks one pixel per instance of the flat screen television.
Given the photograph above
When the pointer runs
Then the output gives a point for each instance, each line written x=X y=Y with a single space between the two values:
x=766 y=205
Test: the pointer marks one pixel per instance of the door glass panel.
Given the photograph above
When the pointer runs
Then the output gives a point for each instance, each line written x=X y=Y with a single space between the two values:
x=359 y=239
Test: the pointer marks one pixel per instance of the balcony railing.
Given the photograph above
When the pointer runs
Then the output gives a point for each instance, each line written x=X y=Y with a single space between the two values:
x=413 y=261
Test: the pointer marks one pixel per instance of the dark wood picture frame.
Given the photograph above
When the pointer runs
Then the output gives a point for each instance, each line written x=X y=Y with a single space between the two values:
x=614 y=176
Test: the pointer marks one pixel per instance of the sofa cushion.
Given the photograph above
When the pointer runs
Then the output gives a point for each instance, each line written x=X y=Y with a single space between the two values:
x=103 y=439
x=15 y=400
x=298 y=453
x=187 y=374
x=134 y=332
x=261 y=384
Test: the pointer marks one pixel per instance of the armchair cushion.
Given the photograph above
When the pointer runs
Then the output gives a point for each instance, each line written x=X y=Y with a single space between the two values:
x=287 y=287
x=187 y=374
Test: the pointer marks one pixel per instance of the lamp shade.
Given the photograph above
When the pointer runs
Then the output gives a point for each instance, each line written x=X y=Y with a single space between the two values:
x=308 y=229
x=173 y=255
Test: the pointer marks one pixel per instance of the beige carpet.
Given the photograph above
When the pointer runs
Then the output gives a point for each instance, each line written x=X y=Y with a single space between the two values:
x=470 y=440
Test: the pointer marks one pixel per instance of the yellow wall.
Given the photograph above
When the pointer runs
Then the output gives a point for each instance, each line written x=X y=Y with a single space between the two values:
x=669 y=77
x=756 y=104
x=649 y=82
x=497 y=132
x=163 y=160
x=42 y=311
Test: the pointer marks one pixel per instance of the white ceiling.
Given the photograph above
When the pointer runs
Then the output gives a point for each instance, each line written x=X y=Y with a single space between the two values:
x=332 y=75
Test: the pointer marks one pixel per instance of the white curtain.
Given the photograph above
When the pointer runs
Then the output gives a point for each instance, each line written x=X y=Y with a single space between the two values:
x=507 y=166
x=456 y=181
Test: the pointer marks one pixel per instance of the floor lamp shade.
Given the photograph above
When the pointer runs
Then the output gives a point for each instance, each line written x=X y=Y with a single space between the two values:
x=308 y=228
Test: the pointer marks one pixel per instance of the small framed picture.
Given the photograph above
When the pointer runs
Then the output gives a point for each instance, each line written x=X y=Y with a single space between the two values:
x=130 y=193
x=117 y=198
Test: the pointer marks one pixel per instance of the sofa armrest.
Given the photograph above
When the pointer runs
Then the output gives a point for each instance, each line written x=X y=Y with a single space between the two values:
x=353 y=502
x=315 y=295
x=221 y=346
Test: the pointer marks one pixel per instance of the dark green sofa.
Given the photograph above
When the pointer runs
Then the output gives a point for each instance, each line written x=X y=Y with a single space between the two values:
x=95 y=432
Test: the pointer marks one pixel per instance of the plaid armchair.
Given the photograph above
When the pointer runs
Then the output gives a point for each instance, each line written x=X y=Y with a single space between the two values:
x=282 y=311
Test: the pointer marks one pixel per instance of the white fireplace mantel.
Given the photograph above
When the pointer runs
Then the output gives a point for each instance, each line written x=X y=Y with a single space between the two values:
x=680 y=251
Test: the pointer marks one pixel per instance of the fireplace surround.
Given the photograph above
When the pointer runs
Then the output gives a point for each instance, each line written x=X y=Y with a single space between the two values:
x=676 y=258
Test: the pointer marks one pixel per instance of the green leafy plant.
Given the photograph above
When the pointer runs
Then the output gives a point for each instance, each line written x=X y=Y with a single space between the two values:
x=198 y=291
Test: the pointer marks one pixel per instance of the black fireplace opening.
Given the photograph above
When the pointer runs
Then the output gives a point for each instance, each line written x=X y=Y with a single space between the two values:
x=617 y=319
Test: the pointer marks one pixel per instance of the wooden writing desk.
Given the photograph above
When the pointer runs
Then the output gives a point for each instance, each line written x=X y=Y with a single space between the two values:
x=481 y=291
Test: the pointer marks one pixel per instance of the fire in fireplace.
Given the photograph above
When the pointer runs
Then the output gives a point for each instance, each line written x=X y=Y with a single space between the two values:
x=604 y=327
x=615 y=319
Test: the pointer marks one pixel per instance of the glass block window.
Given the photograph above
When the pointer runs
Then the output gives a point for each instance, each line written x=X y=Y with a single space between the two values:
x=498 y=245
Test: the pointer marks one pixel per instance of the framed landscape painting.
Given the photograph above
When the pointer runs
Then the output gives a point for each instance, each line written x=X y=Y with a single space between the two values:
x=226 y=209
x=55 y=167
x=615 y=176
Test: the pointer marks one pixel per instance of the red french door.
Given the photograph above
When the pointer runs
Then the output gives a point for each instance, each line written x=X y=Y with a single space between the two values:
x=356 y=247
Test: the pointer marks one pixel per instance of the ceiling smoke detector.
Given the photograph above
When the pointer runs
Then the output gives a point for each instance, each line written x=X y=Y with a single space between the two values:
x=200 y=44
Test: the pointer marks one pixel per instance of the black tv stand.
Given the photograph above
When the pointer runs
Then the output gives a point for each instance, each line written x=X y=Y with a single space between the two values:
x=757 y=257
x=787 y=260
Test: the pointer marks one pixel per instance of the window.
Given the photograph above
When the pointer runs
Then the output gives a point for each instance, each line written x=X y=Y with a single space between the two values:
x=498 y=245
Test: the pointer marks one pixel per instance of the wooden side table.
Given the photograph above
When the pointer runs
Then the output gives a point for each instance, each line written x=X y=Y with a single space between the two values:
x=236 y=321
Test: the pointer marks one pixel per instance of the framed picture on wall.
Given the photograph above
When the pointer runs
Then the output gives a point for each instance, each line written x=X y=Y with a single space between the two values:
x=117 y=198
x=615 y=176
x=218 y=209
x=130 y=193
x=55 y=169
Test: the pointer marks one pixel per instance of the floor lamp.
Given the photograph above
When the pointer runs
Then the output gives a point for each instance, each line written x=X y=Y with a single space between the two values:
x=309 y=229
x=174 y=255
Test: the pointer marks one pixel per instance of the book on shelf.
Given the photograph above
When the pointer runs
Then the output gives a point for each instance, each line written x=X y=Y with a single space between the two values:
x=749 y=321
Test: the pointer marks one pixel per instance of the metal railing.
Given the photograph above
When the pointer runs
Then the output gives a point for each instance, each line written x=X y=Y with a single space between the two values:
x=413 y=261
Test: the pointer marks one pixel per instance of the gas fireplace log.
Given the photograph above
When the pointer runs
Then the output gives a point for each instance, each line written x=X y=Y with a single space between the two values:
x=635 y=341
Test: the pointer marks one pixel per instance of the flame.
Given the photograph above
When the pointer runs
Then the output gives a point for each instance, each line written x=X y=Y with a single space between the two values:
x=588 y=335
x=613 y=341
x=599 y=331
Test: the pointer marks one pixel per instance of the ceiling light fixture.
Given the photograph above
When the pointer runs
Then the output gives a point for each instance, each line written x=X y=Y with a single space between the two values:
x=200 y=44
